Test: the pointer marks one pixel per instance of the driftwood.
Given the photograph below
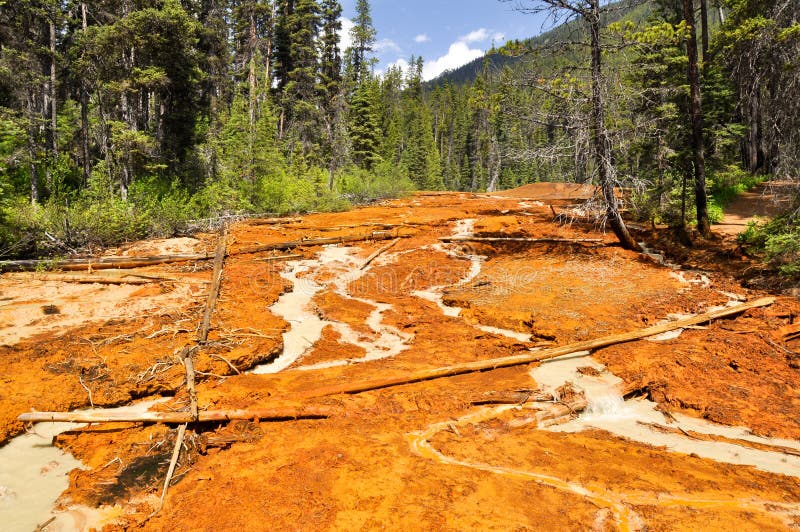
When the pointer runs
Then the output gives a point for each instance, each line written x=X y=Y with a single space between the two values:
x=105 y=263
x=87 y=279
x=378 y=253
x=520 y=239
x=176 y=452
x=204 y=416
x=274 y=221
x=511 y=397
x=377 y=235
x=536 y=356
x=101 y=279
x=717 y=438
x=100 y=263
x=216 y=279
x=278 y=257
x=188 y=363
x=355 y=226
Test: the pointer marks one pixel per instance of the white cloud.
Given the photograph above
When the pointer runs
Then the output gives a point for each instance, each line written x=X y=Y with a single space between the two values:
x=459 y=54
x=422 y=38
x=401 y=63
x=387 y=45
x=345 y=41
x=478 y=35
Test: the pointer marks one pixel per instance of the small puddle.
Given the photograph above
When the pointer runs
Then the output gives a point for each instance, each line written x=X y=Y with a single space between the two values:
x=34 y=473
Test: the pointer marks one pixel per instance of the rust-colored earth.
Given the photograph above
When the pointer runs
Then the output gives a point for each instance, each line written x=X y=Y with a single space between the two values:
x=428 y=455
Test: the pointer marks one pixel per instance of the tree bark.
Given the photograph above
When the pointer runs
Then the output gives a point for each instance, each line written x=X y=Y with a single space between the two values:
x=704 y=32
x=86 y=163
x=34 y=172
x=600 y=138
x=53 y=95
x=696 y=109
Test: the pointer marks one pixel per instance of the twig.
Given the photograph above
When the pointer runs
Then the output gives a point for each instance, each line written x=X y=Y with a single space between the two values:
x=222 y=358
x=176 y=452
x=378 y=253
x=80 y=379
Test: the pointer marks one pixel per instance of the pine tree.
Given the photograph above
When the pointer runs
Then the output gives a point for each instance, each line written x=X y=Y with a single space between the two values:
x=364 y=124
x=299 y=68
x=420 y=157
x=363 y=35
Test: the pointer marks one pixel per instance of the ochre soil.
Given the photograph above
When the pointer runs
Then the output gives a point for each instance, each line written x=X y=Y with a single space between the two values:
x=409 y=456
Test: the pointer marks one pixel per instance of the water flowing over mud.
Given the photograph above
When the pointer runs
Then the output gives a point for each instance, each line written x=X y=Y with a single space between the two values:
x=697 y=428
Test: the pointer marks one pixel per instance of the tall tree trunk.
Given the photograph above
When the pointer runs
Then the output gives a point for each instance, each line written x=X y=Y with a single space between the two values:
x=34 y=174
x=754 y=141
x=53 y=100
x=268 y=63
x=86 y=163
x=251 y=77
x=696 y=105
x=495 y=163
x=600 y=134
x=704 y=32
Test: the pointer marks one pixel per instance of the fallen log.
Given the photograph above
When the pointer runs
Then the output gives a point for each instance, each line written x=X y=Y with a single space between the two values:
x=278 y=257
x=87 y=279
x=105 y=263
x=378 y=235
x=450 y=239
x=99 y=263
x=204 y=416
x=378 y=253
x=273 y=221
x=356 y=226
x=512 y=397
x=718 y=438
x=176 y=452
x=537 y=356
x=213 y=294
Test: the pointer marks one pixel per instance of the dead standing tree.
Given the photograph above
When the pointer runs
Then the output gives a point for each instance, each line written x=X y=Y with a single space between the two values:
x=589 y=13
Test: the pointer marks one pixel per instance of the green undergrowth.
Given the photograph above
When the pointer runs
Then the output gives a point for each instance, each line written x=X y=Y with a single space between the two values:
x=98 y=217
x=778 y=240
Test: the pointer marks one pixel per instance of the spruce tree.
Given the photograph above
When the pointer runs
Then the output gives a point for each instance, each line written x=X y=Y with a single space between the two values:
x=363 y=36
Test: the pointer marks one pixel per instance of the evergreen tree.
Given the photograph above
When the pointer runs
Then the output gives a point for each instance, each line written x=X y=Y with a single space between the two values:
x=363 y=36
x=299 y=67
x=365 y=124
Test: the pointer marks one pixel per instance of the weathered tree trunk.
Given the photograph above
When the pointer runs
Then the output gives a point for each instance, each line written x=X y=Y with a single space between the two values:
x=53 y=95
x=704 y=32
x=34 y=172
x=86 y=163
x=495 y=162
x=600 y=134
x=754 y=149
x=696 y=109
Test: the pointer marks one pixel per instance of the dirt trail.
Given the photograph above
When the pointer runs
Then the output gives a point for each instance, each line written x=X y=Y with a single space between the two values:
x=423 y=455
x=764 y=201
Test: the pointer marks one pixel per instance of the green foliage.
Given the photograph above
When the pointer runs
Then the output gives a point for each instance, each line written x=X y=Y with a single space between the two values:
x=360 y=186
x=727 y=184
x=779 y=240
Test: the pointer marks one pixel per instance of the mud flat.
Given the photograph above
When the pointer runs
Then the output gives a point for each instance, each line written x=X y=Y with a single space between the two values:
x=694 y=430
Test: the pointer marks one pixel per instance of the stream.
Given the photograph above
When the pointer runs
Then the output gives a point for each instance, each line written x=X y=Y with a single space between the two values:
x=306 y=326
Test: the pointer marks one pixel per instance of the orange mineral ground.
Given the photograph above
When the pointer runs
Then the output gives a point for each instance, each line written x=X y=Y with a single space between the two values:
x=697 y=429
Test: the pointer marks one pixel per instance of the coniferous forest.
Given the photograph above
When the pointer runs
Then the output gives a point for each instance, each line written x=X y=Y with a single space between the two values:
x=122 y=119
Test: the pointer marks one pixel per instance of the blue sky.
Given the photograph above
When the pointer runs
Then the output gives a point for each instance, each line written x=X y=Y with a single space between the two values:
x=447 y=34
